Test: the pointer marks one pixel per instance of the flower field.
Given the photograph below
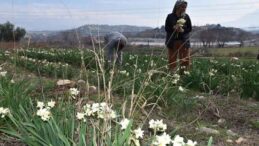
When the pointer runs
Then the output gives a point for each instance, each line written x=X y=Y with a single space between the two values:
x=136 y=104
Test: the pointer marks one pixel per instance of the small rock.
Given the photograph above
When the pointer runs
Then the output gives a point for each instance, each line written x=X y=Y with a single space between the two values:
x=92 y=89
x=199 y=97
x=221 y=121
x=240 y=140
x=253 y=105
x=64 y=82
x=233 y=91
x=229 y=141
x=81 y=82
x=231 y=133
x=214 y=125
x=209 y=130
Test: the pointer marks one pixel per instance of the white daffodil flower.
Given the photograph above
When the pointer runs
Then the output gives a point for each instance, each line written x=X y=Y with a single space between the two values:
x=176 y=76
x=12 y=81
x=181 y=89
x=80 y=116
x=74 y=92
x=181 y=21
x=124 y=123
x=51 y=104
x=113 y=114
x=95 y=107
x=88 y=110
x=160 y=125
x=178 y=141
x=152 y=124
x=186 y=72
x=152 y=63
x=123 y=72
x=4 y=112
x=40 y=104
x=103 y=105
x=191 y=143
x=157 y=125
x=3 y=73
x=163 y=140
x=212 y=72
x=235 y=58
x=138 y=133
x=44 y=113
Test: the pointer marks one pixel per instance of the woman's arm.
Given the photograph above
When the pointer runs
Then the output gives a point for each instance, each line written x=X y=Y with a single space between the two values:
x=188 y=28
x=169 y=24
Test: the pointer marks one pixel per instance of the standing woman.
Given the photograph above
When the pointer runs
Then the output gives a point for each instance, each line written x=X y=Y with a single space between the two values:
x=178 y=27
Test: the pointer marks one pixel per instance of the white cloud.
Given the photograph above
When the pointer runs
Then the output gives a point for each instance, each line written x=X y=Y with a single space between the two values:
x=54 y=17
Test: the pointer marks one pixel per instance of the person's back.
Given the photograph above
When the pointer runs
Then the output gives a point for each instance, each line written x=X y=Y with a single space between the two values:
x=114 y=37
x=114 y=43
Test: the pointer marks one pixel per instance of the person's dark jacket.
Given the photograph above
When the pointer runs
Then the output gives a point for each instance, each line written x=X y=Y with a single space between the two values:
x=172 y=35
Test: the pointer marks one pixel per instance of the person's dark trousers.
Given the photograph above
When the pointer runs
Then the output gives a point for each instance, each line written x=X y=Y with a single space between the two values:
x=180 y=50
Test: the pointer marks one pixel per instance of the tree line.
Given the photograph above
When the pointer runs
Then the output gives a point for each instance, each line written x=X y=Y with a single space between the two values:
x=219 y=35
x=8 y=32
x=208 y=35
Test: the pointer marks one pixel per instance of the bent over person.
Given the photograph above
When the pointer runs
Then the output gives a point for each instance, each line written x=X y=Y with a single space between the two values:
x=115 y=42
x=178 y=27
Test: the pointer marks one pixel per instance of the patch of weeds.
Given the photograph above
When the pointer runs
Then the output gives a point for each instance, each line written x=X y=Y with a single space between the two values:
x=180 y=105
x=255 y=124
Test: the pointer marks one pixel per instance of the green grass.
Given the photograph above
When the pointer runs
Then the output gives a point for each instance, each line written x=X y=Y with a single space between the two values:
x=145 y=76
x=245 y=51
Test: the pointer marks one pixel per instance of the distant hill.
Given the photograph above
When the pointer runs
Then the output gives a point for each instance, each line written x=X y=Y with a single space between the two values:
x=83 y=33
x=103 y=29
x=87 y=34
x=90 y=30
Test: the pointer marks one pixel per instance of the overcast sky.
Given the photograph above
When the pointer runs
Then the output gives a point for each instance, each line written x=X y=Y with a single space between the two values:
x=66 y=14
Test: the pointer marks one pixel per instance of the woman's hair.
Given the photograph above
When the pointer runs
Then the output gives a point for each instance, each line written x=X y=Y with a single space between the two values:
x=178 y=3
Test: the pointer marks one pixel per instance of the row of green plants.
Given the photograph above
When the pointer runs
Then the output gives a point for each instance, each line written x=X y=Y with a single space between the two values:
x=231 y=76
x=215 y=76
x=225 y=76
x=45 y=68
x=73 y=57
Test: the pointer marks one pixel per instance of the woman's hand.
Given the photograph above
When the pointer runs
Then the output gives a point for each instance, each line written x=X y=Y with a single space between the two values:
x=178 y=28
x=181 y=29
